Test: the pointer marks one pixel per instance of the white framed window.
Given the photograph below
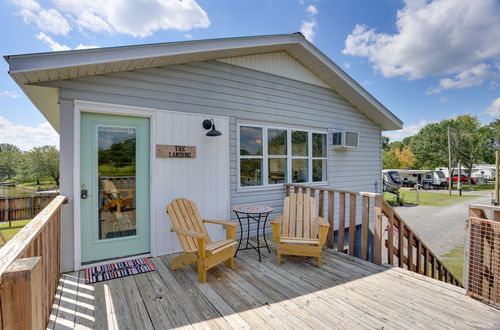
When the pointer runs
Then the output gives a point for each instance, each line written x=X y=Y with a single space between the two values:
x=270 y=156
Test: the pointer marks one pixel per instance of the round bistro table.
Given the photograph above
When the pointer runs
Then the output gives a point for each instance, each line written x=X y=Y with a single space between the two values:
x=255 y=213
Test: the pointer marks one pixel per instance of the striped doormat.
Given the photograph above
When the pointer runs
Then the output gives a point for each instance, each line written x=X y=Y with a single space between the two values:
x=117 y=270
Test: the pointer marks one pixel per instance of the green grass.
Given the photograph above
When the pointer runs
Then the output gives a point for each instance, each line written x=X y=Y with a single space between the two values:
x=107 y=169
x=454 y=261
x=474 y=187
x=9 y=232
x=428 y=198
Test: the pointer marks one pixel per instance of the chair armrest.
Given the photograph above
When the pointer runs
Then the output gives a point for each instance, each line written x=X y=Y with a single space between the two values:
x=277 y=220
x=187 y=233
x=221 y=222
x=322 y=222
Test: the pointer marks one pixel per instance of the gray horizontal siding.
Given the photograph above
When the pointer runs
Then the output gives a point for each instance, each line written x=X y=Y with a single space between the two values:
x=243 y=94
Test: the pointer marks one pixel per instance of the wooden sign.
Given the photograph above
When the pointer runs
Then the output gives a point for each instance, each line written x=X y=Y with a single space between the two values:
x=165 y=151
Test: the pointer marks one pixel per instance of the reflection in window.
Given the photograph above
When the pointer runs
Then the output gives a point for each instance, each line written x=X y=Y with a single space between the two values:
x=277 y=170
x=276 y=141
x=299 y=143
x=299 y=171
x=319 y=145
x=319 y=170
x=250 y=140
x=250 y=172
x=117 y=172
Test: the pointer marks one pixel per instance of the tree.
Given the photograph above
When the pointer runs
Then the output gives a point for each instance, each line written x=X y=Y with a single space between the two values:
x=43 y=162
x=9 y=158
x=389 y=159
x=405 y=157
x=385 y=143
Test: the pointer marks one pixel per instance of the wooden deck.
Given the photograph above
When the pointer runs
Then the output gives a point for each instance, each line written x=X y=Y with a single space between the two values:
x=347 y=293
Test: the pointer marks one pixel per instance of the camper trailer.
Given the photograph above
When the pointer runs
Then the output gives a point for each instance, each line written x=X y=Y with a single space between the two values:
x=427 y=179
x=392 y=181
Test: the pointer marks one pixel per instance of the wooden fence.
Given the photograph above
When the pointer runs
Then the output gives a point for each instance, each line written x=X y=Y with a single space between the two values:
x=483 y=254
x=30 y=271
x=407 y=250
x=25 y=207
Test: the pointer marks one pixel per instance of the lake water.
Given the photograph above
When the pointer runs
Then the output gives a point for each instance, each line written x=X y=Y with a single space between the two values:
x=13 y=191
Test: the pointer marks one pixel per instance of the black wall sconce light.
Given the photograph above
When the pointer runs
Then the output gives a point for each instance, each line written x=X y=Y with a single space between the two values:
x=210 y=124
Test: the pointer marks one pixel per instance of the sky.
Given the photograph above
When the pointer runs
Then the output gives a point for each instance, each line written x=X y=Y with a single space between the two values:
x=425 y=60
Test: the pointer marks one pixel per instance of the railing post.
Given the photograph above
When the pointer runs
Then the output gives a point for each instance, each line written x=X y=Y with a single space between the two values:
x=331 y=230
x=377 y=257
x=352 y=224
x=340 y=242
x=22 y=295
x=365 y=219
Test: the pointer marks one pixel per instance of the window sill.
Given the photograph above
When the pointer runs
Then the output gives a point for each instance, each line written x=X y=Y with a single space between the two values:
x=280 y=186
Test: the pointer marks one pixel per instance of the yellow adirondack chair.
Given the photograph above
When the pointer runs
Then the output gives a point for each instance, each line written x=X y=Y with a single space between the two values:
x=197 y=245
x=299 y=231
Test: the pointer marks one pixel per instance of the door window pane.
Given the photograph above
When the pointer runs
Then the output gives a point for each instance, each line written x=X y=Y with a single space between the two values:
x=299 y=170
x=277 y=170
x=250 y=172
x=319 y=145
x=276 y=141
x=299 y=143
x=319 y=170
x=116 y=173
x=250 y=141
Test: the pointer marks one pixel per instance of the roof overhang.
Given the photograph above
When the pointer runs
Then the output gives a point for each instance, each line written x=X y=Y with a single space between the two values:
x=28 y=70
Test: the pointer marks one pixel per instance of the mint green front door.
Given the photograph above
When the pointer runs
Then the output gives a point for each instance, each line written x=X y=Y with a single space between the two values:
x=114 y=177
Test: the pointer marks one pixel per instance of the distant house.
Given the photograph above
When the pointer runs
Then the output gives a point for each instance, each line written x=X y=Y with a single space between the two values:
x=133 y=124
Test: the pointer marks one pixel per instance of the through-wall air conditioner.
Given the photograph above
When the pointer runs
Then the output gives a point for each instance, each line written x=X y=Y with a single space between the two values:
x=345 y=140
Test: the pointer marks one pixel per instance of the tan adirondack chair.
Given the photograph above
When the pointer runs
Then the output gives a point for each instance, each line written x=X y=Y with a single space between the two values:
x=299 y=231
x=115 y=196
x=197 y=245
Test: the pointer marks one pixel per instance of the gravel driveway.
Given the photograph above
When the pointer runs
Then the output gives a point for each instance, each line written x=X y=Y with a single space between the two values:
x=441 y=228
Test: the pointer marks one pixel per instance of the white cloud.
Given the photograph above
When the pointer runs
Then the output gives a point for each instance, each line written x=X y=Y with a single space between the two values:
x=347 y=65
x=494 y=108
x=443 y=99
x=188 y=36
x=407 y=130
x=11 y=94
x=309 y=25
x=47 y=20
x=55 y=46
x=27 y=137
x=468 y=78
x=136 y=18
x=434 y=38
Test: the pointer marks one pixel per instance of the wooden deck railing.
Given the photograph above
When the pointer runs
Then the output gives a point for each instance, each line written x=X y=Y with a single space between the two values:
x=346 y=217
x=340 y=208
x=30 y=271
x=411 y=252
x=482 y=269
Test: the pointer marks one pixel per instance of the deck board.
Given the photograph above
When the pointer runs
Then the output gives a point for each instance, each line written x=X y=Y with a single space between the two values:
x=346 y=293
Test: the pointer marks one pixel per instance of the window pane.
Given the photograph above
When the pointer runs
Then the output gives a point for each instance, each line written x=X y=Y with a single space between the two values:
x=319 y=170
x=319 y=145
x=250 y=140
x=116 y=176
x=250 y=172
x=351 y=139
x=299 y=170
x=277 y=142
x=277 y=170
x=299 y=143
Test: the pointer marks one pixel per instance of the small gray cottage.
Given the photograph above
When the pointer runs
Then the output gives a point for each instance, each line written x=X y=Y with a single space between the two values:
x=222 y=122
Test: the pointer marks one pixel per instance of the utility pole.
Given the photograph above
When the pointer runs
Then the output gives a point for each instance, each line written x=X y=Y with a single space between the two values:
x=450 y=170
x=497 y=161
x=459 y=182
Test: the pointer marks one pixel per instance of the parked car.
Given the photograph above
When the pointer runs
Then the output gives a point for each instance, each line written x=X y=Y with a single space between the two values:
x=464 y=179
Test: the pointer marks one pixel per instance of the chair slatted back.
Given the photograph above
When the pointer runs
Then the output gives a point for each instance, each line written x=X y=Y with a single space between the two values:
x=185 y=216
x=299 y=217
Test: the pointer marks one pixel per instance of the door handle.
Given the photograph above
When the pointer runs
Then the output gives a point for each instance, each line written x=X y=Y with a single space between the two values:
x=84 y=192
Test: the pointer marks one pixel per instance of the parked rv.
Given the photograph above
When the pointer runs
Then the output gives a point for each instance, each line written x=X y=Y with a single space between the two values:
x=392 y=181
x=427 y=179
